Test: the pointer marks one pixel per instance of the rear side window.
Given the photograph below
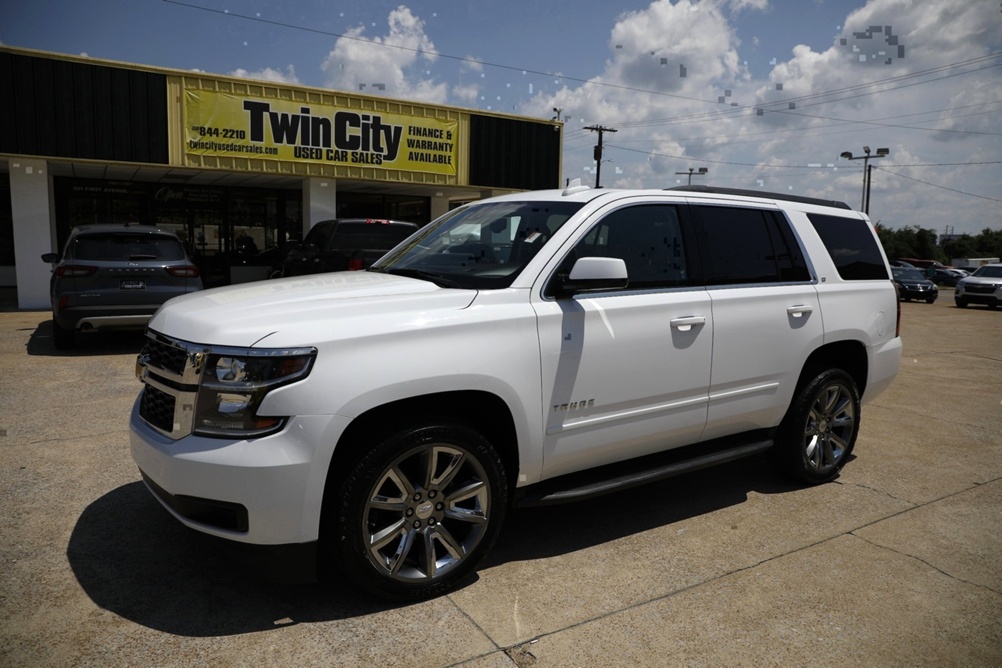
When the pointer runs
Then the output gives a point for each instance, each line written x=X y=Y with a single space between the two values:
x=117 y=247
x=852 y=246
x=747 y=246
x=319 y=235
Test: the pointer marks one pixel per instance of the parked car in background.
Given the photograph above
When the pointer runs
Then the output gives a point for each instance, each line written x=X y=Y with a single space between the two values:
x=984 y=286
x=912 y=284
x=115 y=276
x=944 y=277
x=922 y=264
x=345 y=245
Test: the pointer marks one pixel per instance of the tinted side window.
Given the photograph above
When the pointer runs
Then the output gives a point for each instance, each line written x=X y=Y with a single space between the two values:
x=648 y=238
x=742 y=246
x=320 y=235
x=852 y=246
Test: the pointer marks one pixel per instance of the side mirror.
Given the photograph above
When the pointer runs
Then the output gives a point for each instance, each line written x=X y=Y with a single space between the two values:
x=593 y=274
x=50 y=257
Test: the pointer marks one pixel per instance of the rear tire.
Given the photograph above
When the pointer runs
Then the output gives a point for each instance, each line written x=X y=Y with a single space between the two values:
x=820 y=428
x=62 y=338
x=417 y=513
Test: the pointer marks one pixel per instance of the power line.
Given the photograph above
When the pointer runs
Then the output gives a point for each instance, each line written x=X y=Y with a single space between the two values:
x=935 y=185
x=591 y=82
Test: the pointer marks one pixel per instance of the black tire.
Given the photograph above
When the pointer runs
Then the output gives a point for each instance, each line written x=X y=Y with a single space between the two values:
x=62 y=338
x=819 y=431
x=930 y=301
x=961 y=303
x=416 y=514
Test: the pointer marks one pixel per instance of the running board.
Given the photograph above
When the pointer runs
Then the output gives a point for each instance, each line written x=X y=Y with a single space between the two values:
x=640 y=471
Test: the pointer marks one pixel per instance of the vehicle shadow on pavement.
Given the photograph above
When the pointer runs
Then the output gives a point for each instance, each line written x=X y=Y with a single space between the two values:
x=549 y=531
x=135 y=560
x=103 y=343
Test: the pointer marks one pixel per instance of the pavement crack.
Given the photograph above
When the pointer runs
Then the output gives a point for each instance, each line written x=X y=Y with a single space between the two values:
x=878 y=491
x=927 y=563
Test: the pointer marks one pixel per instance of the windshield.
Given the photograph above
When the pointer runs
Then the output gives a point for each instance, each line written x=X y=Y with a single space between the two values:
x=907 y=274
x=989 y=271
x=479 y=246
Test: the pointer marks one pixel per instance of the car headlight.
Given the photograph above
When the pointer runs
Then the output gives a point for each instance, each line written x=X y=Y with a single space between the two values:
x=234 y=383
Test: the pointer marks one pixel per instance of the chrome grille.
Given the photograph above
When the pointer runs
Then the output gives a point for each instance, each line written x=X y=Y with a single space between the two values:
x=163 y=355
x=169 y=369
x=157 y=408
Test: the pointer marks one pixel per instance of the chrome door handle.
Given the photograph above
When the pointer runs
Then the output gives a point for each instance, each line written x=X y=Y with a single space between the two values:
x=800 y=310
x=684 y=324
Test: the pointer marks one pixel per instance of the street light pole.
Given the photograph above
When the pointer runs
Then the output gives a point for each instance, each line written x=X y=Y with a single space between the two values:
x=867 y=171
x=700 y=171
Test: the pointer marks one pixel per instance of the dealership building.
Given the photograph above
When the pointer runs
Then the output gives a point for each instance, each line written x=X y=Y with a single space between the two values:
x=217 y=159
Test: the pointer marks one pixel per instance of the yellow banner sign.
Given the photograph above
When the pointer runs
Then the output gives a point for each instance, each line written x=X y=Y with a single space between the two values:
x=223 y=124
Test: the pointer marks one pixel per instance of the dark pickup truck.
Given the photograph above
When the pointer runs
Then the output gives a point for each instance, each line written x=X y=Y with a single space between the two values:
x=349 y=244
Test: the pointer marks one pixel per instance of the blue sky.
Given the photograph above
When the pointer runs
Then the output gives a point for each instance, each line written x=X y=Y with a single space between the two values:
x=765 y=94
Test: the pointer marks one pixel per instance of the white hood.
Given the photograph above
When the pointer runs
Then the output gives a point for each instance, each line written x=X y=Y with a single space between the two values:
x=301 y=310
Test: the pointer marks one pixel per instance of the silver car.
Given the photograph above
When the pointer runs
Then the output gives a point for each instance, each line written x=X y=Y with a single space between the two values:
x=984 y=286
x=115 y=277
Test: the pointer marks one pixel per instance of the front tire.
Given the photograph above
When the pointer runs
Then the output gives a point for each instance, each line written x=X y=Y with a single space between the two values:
x=417 y=513
x=820 y=428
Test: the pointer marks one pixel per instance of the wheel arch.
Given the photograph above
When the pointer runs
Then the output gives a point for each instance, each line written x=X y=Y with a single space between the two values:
x=850 y=356
x=482 y=411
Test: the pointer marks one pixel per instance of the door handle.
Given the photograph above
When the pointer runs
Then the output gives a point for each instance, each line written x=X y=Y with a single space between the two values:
x=799 y=310
x=685 y=323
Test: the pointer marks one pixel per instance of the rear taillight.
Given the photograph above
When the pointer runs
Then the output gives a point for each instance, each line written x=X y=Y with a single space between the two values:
x=355 y=264
x=187 y=271
x=74 y=271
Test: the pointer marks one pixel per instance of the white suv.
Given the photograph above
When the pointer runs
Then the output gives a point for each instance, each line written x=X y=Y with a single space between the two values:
x=533 y=348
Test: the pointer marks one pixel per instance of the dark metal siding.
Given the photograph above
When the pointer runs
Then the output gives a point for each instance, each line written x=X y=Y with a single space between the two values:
x=509 y=153
x=57 y=108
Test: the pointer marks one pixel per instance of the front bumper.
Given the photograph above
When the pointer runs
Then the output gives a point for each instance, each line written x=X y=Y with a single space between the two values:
x=265 y=491
x=921 y=293
x=988 y=298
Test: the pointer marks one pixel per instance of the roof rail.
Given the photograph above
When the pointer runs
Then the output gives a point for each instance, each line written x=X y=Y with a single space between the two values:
x=762 y=193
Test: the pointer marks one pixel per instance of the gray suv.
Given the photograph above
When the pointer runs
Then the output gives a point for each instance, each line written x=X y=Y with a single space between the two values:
x=115 y=277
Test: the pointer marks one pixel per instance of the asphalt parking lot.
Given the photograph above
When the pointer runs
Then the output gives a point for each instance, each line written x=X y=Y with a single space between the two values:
x=898 y=562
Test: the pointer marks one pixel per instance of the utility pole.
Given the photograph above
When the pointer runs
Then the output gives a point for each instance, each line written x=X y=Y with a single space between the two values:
x=867 y=170
x=598 y=151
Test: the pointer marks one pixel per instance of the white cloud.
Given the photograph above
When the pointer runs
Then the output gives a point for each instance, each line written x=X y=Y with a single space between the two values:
x=388 y=65
x=269 y=74
x=815 y=105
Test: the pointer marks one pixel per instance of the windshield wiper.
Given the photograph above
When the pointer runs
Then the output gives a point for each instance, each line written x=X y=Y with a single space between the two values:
x=438 y=279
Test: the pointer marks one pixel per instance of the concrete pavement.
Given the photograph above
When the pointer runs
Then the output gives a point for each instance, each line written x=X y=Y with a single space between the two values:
x=898 y=562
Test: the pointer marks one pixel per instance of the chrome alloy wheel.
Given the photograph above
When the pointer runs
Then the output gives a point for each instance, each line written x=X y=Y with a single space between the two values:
x=426 y=512
x=830 y=426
